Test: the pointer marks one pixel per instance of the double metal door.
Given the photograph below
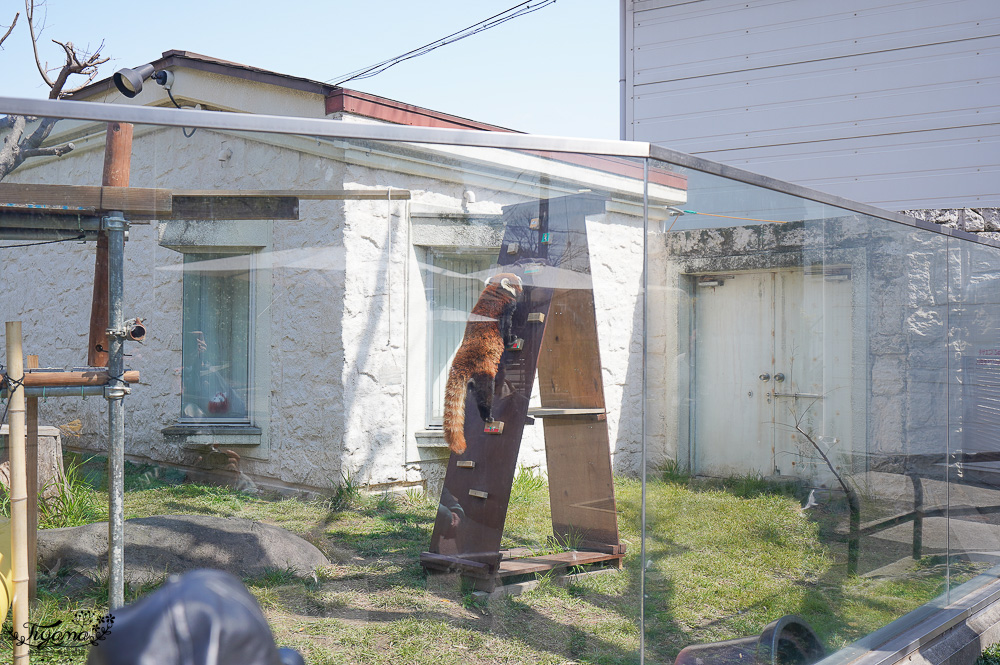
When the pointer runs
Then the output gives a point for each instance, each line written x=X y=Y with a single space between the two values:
x=771 y=375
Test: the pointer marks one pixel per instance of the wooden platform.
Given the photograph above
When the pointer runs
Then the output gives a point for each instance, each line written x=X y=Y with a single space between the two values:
x=558 y=561
x=517 y=565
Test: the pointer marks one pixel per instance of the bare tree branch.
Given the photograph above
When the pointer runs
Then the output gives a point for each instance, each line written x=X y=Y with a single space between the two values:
x=29 y=13
x=18 y=145
x=77 y=61
x=74 y=65
x=10 y=29
x=853 y=503
x=10 y=152
x=54 y=151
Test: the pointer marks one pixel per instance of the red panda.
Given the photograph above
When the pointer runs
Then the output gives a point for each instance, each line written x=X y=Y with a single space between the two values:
x=487 y=334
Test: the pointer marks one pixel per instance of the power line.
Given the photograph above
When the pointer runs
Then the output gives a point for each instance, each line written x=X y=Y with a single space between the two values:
x=44 y=242
x=510 y=14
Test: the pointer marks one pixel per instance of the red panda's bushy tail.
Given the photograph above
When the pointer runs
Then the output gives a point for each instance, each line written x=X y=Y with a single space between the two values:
x=454 y=409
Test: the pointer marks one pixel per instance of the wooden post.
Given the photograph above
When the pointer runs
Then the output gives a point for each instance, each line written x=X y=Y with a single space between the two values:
x=31 y=473
x=18 y=490
x=117 y=165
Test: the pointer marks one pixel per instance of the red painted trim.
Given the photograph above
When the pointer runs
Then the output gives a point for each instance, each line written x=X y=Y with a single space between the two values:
x=618 y=166
x=343 y=100
x=371 y=106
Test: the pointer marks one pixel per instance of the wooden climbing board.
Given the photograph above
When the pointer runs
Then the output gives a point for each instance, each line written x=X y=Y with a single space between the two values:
x=545 y=243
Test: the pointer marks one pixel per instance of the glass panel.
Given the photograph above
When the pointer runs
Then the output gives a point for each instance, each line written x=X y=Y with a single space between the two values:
x=685 y=407
x=796 y=420
x=304 y=297
x=974 y=412
x=216 y=337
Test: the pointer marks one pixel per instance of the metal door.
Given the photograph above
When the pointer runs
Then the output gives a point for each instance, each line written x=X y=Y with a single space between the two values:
x=772 y=372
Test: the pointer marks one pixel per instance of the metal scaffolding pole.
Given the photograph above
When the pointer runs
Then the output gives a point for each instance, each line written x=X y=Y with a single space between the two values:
x=115 y=392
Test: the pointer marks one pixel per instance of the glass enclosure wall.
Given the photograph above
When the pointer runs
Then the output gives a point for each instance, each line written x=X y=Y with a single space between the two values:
x=818 y=392
x=665 y=407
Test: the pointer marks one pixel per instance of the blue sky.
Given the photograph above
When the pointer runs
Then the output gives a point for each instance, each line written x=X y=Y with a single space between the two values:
x=554 y=71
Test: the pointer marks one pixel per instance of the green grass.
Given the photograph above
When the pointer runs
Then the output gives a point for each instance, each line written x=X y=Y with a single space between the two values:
x=723 y=559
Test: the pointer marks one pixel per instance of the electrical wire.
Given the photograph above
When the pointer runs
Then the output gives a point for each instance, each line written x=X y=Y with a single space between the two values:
x=44 y=242
x=12 y=387
x=183 y=130
x=517 y=11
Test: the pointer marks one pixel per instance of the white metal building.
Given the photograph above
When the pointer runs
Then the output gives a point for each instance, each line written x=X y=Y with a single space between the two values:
x=895 y=103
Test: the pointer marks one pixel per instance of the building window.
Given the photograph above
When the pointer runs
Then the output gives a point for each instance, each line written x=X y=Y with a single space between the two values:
x=216 y=344
x=454 y=282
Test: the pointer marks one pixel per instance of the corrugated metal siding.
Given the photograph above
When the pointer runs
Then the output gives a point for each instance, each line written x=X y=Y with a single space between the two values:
x=890 y=102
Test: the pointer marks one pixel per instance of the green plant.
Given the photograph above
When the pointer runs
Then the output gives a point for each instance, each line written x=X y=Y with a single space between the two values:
x=416 y=496
x=723 y=559
x=990 y=655
x=346 y=494
x=526 y=483
x=386 y=502
x=273 y=577
x=673 y=472
x=74 y=501
x=546 y=583
x=748 y=485
x=566 y=542
x=4 y=501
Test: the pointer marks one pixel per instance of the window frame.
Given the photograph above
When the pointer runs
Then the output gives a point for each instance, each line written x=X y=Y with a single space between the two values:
x=246 y=420
x=432 y=419
x=251 y=436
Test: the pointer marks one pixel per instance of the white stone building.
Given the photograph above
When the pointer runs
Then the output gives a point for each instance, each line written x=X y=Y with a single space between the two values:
x=313 y=349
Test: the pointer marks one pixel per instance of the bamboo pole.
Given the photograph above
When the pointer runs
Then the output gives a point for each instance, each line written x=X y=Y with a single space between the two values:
x=31 y=487
x=97 y=377
x=18 y=491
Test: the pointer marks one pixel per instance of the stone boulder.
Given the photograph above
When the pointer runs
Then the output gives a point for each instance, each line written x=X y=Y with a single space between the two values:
x=178 y=543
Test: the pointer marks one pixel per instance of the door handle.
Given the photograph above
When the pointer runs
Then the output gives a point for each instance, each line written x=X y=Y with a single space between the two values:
x=765 y=377
x=800 y=395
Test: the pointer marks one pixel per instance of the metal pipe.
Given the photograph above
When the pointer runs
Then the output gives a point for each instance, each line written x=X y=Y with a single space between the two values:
x=643 y=569
x=64 y=222
x=623 y=62
x=322 y=127
x=115 y=392
x=318 y=127
x=46 y=234
x=59 y=391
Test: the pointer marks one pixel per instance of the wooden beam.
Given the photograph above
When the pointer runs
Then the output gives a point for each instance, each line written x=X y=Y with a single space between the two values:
x=447 y=562
x=117 y=163
x=207 y=207
x=134 y=201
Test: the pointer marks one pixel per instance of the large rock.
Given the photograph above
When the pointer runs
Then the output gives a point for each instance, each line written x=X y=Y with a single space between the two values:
x=178 y=543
